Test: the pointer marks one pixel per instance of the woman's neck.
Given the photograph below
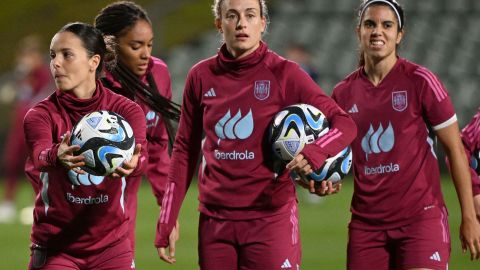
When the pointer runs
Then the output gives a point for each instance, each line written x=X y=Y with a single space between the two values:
x=377 y=70
x=85 y=91
x=238 y=54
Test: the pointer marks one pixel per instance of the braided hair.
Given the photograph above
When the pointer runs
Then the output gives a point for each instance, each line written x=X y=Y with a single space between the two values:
x=115 y=20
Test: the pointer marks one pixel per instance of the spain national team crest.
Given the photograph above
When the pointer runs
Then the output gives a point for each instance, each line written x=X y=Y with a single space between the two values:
x=399 y=100
x=261 y=90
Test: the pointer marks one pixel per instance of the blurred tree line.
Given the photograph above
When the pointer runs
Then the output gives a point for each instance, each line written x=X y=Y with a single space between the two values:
x=174 y=21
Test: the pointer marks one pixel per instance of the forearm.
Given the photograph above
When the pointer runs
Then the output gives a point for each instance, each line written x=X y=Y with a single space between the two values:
x=45 y=158
x=42 y=150
x=462 y=181
x=342 y=132
x=157 y=169
x=182 y=168
x=460 y=171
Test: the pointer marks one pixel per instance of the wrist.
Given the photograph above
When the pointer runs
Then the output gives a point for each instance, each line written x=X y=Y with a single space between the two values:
x=470 y=217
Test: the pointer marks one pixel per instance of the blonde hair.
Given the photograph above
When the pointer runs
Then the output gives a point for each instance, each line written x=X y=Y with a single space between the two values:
x=217 y=8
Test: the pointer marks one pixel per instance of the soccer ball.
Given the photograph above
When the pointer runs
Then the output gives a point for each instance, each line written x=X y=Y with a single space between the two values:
x=335 y=168
x=105 y=139
x=300 y=124
x=475 y=161
x=295 y=126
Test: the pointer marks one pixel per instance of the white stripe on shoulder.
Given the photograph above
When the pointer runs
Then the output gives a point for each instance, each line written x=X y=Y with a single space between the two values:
x=447 y=123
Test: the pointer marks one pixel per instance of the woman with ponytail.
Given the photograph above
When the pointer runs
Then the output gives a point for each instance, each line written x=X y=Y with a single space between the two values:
x=78 y=225
x=146 y=80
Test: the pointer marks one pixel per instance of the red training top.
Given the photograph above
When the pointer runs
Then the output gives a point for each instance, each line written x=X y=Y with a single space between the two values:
x=78 y=214
x=397 y=178
x=233 y=101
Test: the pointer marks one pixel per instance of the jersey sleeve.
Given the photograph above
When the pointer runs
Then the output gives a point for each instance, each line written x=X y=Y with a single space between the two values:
x=158 y=156
x=184 y=159
x=157 y=169
x=342 y=127
x=436 y=103
x=38 y=137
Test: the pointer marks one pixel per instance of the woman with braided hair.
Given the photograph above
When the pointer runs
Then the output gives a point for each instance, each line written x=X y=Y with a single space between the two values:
x=145 y=79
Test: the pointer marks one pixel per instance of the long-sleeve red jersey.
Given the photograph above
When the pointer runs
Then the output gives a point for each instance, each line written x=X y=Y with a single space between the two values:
x=233 y=101
x=157 y=137
x=79 y=214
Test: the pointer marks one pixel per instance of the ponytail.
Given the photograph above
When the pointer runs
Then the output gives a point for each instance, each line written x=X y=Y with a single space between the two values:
x=110 y=58
x=133 y=87
x=113 y=20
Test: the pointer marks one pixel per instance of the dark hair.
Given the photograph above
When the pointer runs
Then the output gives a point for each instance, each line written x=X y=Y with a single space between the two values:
x=393 y=4
x=117 y=19
x=92 y=40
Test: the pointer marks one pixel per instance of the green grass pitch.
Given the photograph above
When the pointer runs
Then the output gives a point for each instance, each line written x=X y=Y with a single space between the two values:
x=323 y=231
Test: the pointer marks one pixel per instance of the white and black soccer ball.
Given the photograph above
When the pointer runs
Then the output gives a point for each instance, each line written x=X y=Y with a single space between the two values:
x=335 y=168
x=295 y=126
x=301 y=124
x=105 y=139
x=475 y=161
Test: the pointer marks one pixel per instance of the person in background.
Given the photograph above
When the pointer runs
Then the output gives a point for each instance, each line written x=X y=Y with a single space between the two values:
x=299 y=53
x=32 y=82
x=144 y=79
x=471 y=142
x=78 y=225
x=248 y=210
x=399 y=218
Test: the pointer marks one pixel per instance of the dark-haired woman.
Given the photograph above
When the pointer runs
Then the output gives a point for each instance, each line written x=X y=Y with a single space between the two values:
x=146 y=80
x=78 y=226
x=248 y=210
x=399 y=218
